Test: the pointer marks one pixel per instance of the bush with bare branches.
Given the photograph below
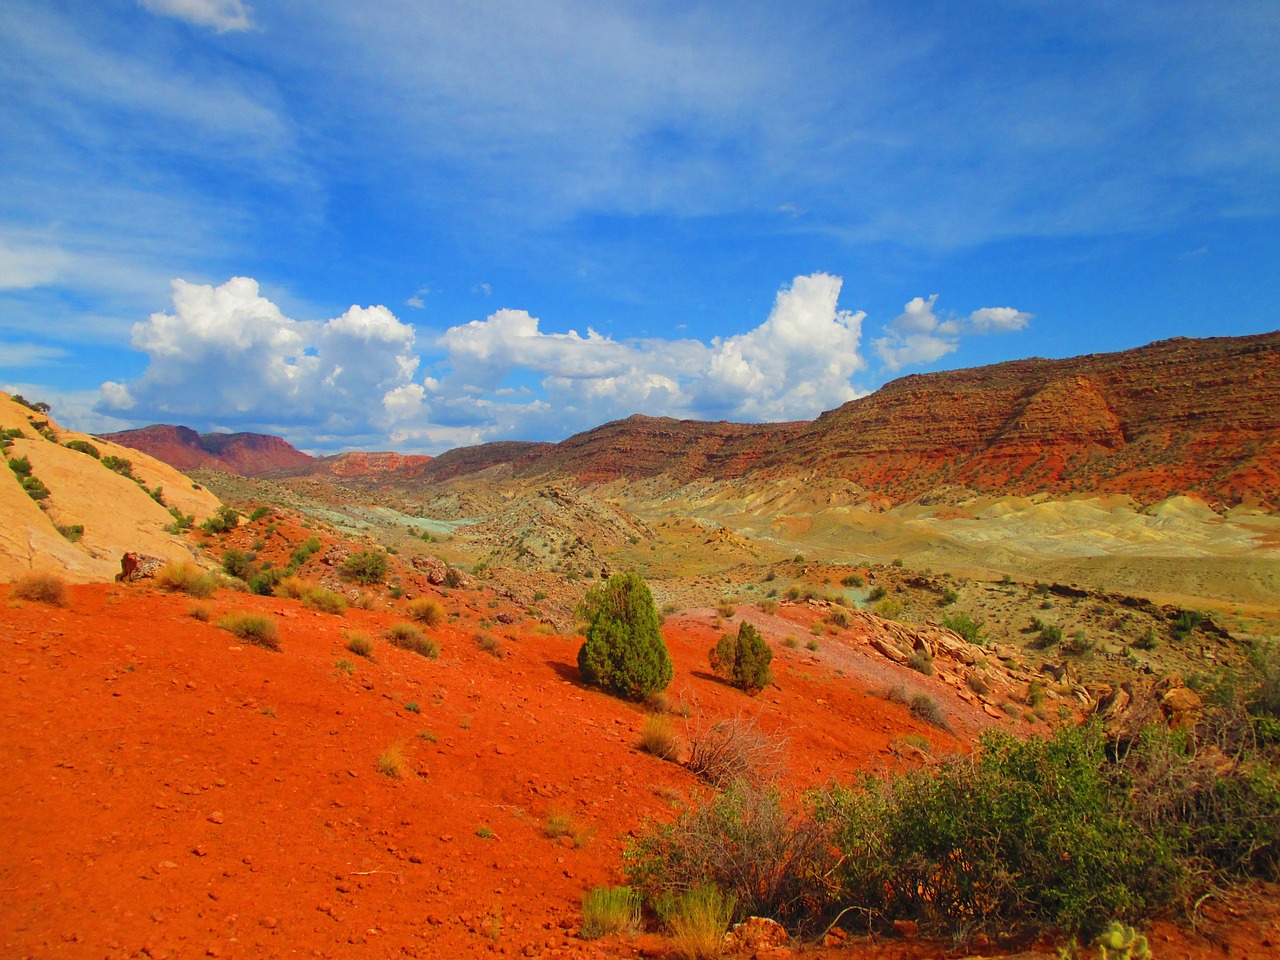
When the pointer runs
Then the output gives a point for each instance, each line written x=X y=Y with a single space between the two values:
x=734 y=750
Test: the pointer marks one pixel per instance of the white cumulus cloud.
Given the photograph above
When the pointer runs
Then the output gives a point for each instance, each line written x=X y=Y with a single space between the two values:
x=222 y=15
x=919 y=336
x=228 y=356
x=228 y=353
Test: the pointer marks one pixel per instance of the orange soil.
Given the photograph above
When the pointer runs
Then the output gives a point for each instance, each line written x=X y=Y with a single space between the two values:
x=172 y=791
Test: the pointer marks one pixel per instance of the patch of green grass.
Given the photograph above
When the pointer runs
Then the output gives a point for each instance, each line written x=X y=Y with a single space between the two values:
x=609 y=910
x=252 y=628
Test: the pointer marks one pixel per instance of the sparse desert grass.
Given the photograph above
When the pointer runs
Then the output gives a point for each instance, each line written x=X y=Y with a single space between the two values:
x=252 y=628
x=924 y=707
x=294 y=587
x=325 y=601
x=426 y=611
x=560 y=823
x=40 y=588
x=977 y=684
x=408 y=637
x=658 y=736
x=360 y=644
x=921 y=662
x=699 y=920
x=791 y=643
x=365 y=601
x=838 y=617
x=185 y=577
x=609 y=910
x=344 y=665
x=392 y=763
x=200 y=611
x=768 y=606
x=490 y=644
x=726 y=608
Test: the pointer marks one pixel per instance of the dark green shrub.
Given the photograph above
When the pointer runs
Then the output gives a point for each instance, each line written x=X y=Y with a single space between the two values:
x=83 y=446
x=1029 y=833
x=35 y=488
x=263 y=582
x=853 y=580
x=366 y=567
x=20 y=465
x=624 y=652
x=224 y=519
x=304 y=552
x=119 y=464
x=72 y=531
x=259 y=513
x=964 y=625
x=238 y=564
x=1186 y=623
x=743 y=660
x=877 y=593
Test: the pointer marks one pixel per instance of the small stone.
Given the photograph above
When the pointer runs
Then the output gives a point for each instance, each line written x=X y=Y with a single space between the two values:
x=269 y=922
x=215 y=817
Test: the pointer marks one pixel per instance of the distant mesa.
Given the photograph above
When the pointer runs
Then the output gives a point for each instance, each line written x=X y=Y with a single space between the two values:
x=1181 y=416
x=258 y=454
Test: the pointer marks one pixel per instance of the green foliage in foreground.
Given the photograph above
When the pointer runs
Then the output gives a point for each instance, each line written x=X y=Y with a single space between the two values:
x=1038 y=834
x=624 y=651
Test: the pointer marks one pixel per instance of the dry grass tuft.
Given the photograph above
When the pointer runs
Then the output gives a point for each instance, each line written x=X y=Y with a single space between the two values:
x=185 y=577
x=324 y=601
x=699 y=922
x=658 y=737
x=426 y=611
x=392 y=763
x=294 y=587
x=491 y=645
x=252 y=628
x=40 y=588
x=360 y=644
x=408 y=637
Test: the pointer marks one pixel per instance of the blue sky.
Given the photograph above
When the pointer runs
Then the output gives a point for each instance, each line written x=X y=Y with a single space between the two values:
x=413 y=225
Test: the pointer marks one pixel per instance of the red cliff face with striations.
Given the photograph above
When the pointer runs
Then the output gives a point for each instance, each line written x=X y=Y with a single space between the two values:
x=1196 y=416
x=1179 y=416
x=248 y=454
x=640 y=447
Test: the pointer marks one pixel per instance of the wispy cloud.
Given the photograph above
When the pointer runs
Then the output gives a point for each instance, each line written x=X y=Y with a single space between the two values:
x=221 y=15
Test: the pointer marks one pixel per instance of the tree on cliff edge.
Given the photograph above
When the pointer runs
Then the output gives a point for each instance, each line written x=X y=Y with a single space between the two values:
x=624 y=652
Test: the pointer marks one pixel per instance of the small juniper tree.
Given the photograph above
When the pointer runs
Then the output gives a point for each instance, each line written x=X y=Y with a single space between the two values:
x=624 y=652
x=743 y=660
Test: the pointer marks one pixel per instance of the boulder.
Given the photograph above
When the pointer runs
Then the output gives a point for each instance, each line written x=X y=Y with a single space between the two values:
x=138 y=566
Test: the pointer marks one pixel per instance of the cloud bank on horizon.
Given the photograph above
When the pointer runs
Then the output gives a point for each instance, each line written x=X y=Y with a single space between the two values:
x=583 y=210
x=227 y=354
